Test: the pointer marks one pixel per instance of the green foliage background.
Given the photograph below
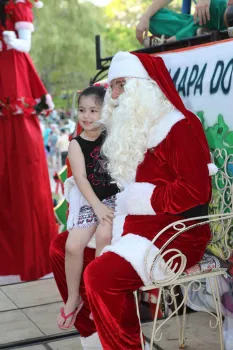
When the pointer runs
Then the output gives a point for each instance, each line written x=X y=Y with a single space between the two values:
x=63 y=47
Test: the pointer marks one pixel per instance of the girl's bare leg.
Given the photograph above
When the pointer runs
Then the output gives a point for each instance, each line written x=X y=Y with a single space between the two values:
x=103 y=236
x=77 y=241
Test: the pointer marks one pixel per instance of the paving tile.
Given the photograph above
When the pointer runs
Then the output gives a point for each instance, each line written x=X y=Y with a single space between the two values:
x=36 y=347
x=33 y=293
x=6 y=303
x=199 y=335
x=14 y=326
x=45 y=317
x=67 y=344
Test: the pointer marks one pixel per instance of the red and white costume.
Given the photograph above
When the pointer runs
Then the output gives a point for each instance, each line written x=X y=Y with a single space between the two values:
x=171 y=181
x=27 y=223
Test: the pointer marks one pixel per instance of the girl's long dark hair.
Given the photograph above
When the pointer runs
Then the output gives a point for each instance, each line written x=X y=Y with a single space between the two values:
x=3 y=12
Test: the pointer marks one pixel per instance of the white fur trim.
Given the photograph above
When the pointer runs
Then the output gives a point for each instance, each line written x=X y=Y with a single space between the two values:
x=213 y=169
x=126 y=65
x=38 y=4
x=24 y=25
x=117 y=227
x=136 y=199
x=159 y=131
x=92 y=342
x=133 y=248
x=49 y=101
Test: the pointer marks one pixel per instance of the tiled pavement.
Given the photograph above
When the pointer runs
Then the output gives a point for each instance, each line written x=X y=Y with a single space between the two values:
x=29 y=311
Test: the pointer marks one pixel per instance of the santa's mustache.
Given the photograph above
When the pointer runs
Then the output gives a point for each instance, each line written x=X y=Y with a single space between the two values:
x=114 y=102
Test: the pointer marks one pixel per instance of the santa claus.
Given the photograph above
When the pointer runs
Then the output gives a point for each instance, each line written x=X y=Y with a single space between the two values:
x=158 y=155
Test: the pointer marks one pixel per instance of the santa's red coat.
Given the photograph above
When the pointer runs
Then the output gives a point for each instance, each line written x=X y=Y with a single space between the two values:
x=173 y=177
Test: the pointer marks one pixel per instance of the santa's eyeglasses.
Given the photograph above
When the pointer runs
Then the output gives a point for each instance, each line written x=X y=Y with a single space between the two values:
x=118 y=85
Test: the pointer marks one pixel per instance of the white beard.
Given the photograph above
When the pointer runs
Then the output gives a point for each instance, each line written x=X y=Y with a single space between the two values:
x=128 y=121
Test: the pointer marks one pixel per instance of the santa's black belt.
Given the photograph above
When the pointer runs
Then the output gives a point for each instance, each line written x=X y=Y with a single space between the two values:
x=199 y=210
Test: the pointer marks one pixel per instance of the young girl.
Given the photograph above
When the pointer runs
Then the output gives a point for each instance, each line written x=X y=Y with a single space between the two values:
x=91 y=198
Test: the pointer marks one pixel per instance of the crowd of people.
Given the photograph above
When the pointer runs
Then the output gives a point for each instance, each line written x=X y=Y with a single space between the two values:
x=56 y=130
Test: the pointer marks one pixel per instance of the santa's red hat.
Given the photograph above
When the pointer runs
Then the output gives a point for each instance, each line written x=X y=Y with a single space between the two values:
x=144 y=66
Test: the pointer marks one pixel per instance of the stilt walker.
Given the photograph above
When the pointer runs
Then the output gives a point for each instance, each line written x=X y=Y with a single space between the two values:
x=27 y=223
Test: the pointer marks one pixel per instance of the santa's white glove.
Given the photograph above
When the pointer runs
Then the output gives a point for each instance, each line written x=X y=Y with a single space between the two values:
x=135 y=199
x=21 y=44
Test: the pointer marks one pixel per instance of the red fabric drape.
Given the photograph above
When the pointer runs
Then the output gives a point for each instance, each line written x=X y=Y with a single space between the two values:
x=157 y=70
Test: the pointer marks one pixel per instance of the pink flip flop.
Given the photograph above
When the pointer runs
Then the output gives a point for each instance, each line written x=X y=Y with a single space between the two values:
x=71 y=315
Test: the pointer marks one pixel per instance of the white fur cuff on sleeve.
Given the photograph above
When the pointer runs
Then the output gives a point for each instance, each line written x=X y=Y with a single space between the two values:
x=24 y=25
x=213 y=169
x=138 y=198
x=133 y=248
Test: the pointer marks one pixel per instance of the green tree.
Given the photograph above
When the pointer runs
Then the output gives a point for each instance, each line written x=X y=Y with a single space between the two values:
x=63 y=47
x=122 y=17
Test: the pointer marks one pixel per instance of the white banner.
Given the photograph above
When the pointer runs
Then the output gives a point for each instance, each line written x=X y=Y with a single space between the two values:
x=203 y=78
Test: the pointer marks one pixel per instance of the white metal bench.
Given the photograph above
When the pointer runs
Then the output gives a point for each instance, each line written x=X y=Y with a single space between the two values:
x=221 y=227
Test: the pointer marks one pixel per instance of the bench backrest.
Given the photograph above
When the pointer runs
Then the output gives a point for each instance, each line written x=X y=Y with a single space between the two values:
x=222 y=202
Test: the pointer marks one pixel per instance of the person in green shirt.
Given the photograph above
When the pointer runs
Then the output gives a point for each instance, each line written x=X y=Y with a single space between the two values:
x=209 y=15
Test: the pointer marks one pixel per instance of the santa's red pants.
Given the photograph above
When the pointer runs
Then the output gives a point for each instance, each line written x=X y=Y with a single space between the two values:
x=109 y=284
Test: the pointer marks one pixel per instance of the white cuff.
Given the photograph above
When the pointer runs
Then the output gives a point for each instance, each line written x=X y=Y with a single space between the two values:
x=136 y=199
x=133 y=248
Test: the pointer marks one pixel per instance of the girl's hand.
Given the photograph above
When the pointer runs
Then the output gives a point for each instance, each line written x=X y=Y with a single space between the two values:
x=202 y=12
x=103 y=212
x=142 y=28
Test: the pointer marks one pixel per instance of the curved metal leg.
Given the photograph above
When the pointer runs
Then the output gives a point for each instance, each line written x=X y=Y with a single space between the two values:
x=155 y=319
x=180 y=323
x=138 y=314
x=215 y=293
x=182 y=343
